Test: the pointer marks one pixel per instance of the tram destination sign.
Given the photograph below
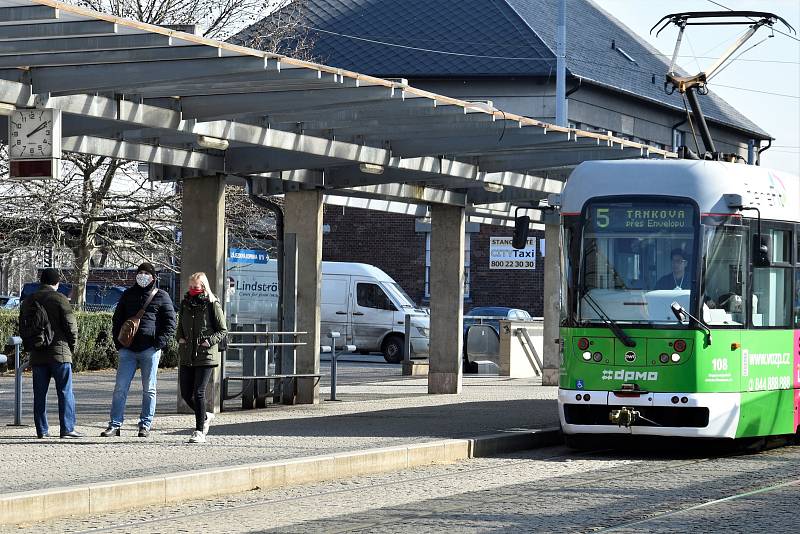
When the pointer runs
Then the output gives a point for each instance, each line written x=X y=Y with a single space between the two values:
x=641 y=217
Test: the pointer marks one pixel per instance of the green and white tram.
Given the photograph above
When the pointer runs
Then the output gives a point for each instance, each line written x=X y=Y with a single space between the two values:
x=680 y=300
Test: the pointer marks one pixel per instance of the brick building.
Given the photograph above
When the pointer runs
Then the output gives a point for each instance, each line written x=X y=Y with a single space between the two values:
x=398 y=244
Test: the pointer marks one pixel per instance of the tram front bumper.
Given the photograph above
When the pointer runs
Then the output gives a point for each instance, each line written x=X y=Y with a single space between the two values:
x=705 y=415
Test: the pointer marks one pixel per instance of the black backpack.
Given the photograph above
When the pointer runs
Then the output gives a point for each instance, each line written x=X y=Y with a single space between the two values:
x=34 y=325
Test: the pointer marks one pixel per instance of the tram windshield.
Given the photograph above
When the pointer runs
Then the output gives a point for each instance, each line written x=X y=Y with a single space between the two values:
x=636 y=259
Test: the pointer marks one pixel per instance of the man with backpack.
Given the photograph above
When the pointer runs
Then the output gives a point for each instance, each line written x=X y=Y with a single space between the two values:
x=49 y=333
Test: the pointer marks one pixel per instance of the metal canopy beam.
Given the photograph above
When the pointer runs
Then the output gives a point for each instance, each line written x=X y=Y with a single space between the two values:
x=109 y=56
x=56 y=29
x=88 y=78
x=270 y=80
x=386 y=108
x=27 y=13
x=208 y=107
x=528 y=136
x=141 y=152
x=77 y=44
x=555 y=158
x=407 y=193
x=252 y=160
x=483 y=124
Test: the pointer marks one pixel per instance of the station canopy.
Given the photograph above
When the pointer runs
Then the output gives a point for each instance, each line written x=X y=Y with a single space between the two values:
x=191 y=106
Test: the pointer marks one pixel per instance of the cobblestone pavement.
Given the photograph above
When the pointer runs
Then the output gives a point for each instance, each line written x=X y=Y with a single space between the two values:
x=380 y=408
x=545 y=490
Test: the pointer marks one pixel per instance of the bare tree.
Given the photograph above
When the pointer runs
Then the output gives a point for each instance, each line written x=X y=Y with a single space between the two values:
x=215 y=19
x=96 y=205
x=247 y=223
x=105 y=207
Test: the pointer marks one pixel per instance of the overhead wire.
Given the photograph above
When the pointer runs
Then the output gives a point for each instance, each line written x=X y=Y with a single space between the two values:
x=550 y=60
x=375 y=40
x=773 y=29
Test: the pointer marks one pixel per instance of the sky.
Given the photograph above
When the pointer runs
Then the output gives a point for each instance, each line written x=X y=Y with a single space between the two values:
x=763 y=84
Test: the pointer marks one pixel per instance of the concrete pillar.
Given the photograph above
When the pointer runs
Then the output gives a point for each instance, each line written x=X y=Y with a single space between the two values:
x=447 y=299
x=203 y=249
x=303 y=217
x=552 y=299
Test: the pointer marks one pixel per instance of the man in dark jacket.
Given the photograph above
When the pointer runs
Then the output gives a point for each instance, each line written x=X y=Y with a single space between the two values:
x=55 y=360
x=155 y=330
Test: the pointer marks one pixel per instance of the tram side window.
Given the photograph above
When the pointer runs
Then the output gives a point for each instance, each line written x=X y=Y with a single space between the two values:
x=772 y=296
x=725 y=275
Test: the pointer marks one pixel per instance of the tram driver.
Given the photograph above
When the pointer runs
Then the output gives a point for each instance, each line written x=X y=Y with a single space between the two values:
x=678 y=278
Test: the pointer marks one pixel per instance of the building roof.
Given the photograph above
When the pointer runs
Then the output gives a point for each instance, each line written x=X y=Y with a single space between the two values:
x=493 y=38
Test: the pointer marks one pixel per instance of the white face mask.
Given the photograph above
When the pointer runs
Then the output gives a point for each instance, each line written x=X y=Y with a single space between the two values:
x=144 y=279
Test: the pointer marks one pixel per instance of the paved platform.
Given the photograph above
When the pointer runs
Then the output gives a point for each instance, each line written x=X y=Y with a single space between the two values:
x=379 y=408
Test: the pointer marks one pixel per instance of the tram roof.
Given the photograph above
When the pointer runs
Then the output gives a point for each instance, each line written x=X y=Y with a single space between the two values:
x=144 y=93
x=775 y=193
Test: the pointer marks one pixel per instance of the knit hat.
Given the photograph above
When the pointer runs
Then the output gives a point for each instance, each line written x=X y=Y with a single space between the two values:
x=148 y=268
x=50 y=276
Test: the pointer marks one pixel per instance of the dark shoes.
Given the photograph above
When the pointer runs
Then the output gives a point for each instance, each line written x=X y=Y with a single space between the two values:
x=72 y=435
x=110 y=431
x=115 y=431
x=42 y=436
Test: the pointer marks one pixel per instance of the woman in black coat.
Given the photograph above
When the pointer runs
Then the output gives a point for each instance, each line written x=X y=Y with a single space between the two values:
x=201 y=326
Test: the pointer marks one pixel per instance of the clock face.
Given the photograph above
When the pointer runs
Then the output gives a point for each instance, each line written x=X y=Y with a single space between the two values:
x=30 y=134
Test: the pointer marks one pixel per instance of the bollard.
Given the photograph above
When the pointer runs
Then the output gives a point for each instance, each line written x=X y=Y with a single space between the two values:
x=334 y=336
x=407 y=340
x=17 y=342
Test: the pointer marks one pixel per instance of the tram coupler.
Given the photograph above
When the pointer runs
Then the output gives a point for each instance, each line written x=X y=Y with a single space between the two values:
x=624 y=416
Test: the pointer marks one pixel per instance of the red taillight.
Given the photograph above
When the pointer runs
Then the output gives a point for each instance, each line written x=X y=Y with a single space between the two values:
x=583 y=343
x=679 y=345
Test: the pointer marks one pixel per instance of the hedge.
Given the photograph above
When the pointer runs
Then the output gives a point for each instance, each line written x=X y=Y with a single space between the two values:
x=95 y=349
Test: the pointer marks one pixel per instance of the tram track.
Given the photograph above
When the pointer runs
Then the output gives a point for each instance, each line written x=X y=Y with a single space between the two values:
x=707 y=504
x=172 y=517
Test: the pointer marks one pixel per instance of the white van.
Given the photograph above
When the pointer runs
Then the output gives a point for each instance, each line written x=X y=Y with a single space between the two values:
x=358 y=300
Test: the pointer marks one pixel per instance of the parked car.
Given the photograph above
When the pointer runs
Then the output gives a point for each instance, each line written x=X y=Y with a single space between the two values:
x=490 y=316
x=9 y=302
x=98 y=297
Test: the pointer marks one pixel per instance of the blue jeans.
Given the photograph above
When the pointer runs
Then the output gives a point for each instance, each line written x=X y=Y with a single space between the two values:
x=62 y=373
x=129 y=361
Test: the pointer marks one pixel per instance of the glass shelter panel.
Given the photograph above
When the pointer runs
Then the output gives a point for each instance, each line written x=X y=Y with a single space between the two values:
x=636 y=259
x=724 y=275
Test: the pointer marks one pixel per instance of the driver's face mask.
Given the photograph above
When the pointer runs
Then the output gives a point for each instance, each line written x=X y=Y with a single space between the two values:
x=144 y=279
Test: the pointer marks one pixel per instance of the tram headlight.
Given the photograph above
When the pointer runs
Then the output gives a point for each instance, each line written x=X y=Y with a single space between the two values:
x=663 y=357
x=583 y=343
x=587 y=355
x=676 y=357
x=597 y=357
x=679 y=345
